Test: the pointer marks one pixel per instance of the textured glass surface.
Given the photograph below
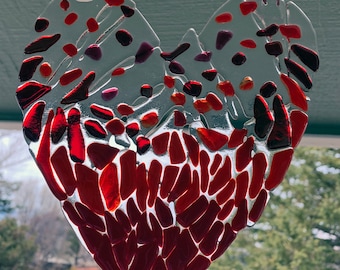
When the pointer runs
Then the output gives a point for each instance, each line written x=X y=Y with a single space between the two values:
x=160 y=158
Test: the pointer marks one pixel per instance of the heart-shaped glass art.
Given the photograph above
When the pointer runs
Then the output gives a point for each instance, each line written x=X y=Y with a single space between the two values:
x=160 y=158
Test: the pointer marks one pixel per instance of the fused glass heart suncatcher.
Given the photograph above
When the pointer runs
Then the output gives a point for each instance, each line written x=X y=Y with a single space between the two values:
x=160 y=158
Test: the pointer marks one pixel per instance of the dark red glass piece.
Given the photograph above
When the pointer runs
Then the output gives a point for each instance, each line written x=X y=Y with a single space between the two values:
x=63 y=169
x=70 y=76
x=274 y=48
x=193 y=212
x=242 y=183
x=209 y=74
x=204 y=56
x=239 y=59
x=146 y=90
x=263 y=117
x=143 y=145
x=270 y=30
x=143 y=231
x=114 y=229
x=41 y=24
x=75 y=136
x=169 y=81
x=115 y=126
x=309 y=57
x=73 y=214
x=216 y=163
x=159 y=264
x=179 y=119
x=88 y=188
x=102 y=112
x=123 y=220
x=127 y=11
x=210 y=241
x=45 y=69
x=109 y=186
x=205 y=176
x=81 y=91
x=176 y=150
x=92 y=25
x=70 y=49
x=104 y=256
x=221 y=178
x=243 y=154
x=142 y=187
x=91 y=237
x=160 y=143
x=280 y=136
x=259 y=169
x=101 y=154
x=225 y=194
x=144 y=52
x=299 y=122
x=133 y=213
x=176 y=68
x=192 y=88
x=127 y=173
x=153 y=180
x=169 y=177
x=91 y=218
x=163 y=213
x=42 y=44
x=190 y=196
x=170 y=237
x=297 y=96
x=145 y=257
x=71 y=18
x=228 y=237
x=259 y=205
x=192 y=147
x=237 y=137
x=248 y=7
x=28 y=67
x=64 y=4
x=199 y=263
x=279 y=167
x=169 y=56
x=182 y=183
x=268 y=89
x=116 y=3
x=227 y=208
x=223 y=37
x=212 y=139
x=94 y=52
x=132 y=129
x=30 y=92
x=32 y=122
x=124 y=37
x=95 y=128
x=240 y=220
x=299 y=72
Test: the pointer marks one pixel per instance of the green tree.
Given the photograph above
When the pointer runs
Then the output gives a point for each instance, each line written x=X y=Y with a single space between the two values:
x=300 y=228
x=16 y=247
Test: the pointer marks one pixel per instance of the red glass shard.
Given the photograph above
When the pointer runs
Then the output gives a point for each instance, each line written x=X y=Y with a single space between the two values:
x=88 y=188
x=146 y=90
x=179 y=119
x=104 y=256
x=125 y=109
x=159 y=264
x=143 y=231
x=163 y=213
x=133 y=212
x=114 y=2
x=71 y=18
x=127 y=173
x=178 y=98
x=205 y=176
x=176 y=67
x=242 y=183
x=299 y=122
x=123 y=220
x=28 y=67
x=103 y=113
x=244 y=154
x=239 y=59
x=143 y=144
x=190 y=196
x=156 y=229
x=210 y=240
x=169 y=177
x=70 y=49
x=124 y=37
x=183 y=253
x=30 y=92
x=248 y=43
x=228 y=237
x=131 y=246
x=95 y=128
x=192 y=88
x=212 y=139
x=259 y=205
x=149 y=120
x=32 y=121
x=142 y=187
x=309 y=57
x=209 y=74
x=81 y=91
x=246 y=84
x=295 y=92
x=290 y=31
x=182 y=183
x=101 y=154
x=237 y=137
x=41 y=24
x=45 y=70
x=92 y=220
x=170 y=239
x=192 y=148
x=42 y=44
x=110 y=93
x=118 y=71
x=264 y=119
x=226 y=88
x=214 y=101
x=248 y=7
x=223 y=37
x=226 y=192
x=270 y=30
x=153 y=180
x=299 y=72
x=132 y=129
x=199 y=263
x=216 y=163
x=144 y=52
x=92 y=25
x=193 y=212
x=221 y=178
x=75 y=136
x=204 y=56
x=240 y=220
x=268 y=89
x=176 y=150
x=114 y=229
x=73 y=214
x=70 y=76
x=43 y=161
x=202 y=105
x=120 y=250
x=201 y=227
x=259 y=169
x=169 y=81
x=64 y=4
x=94 y=52
x=169 y=56
x=224 y=17
x=280 y=136
x=109 y=186
x=160 y=143
x=91 y=237
x=62 y=166
x=145 y=257
x=279 y=167
x=274 y=48
x=227 y=208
